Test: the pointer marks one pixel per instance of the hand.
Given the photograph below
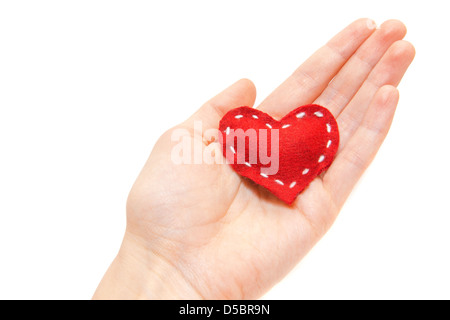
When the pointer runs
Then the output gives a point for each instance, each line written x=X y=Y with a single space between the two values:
x=202 y=231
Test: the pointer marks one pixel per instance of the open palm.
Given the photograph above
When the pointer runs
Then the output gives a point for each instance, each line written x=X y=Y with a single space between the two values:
x=209 y=233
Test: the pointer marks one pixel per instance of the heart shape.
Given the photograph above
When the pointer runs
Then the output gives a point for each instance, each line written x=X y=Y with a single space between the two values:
x=282 y=156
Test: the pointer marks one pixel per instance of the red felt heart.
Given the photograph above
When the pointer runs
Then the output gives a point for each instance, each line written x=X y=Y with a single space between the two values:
x=308 y=139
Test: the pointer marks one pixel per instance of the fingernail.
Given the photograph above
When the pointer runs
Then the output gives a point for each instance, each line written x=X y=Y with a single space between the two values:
x=371 y=24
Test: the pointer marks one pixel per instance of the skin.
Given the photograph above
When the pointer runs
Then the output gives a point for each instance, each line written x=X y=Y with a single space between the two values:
x=203 y=232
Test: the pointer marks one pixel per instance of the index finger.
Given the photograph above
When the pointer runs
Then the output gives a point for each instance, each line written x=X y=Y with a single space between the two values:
x=311 y=78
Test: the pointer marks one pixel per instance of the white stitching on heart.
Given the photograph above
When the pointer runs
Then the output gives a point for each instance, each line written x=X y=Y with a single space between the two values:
x=299 y=116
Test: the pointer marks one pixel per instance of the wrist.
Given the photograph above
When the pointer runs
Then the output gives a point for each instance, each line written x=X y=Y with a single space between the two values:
x=138 y=272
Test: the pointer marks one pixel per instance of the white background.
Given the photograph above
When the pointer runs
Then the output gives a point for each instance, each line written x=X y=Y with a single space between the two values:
x=87 y=87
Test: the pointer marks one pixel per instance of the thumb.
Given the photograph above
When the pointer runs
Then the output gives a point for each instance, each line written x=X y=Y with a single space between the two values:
x=240 y=93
